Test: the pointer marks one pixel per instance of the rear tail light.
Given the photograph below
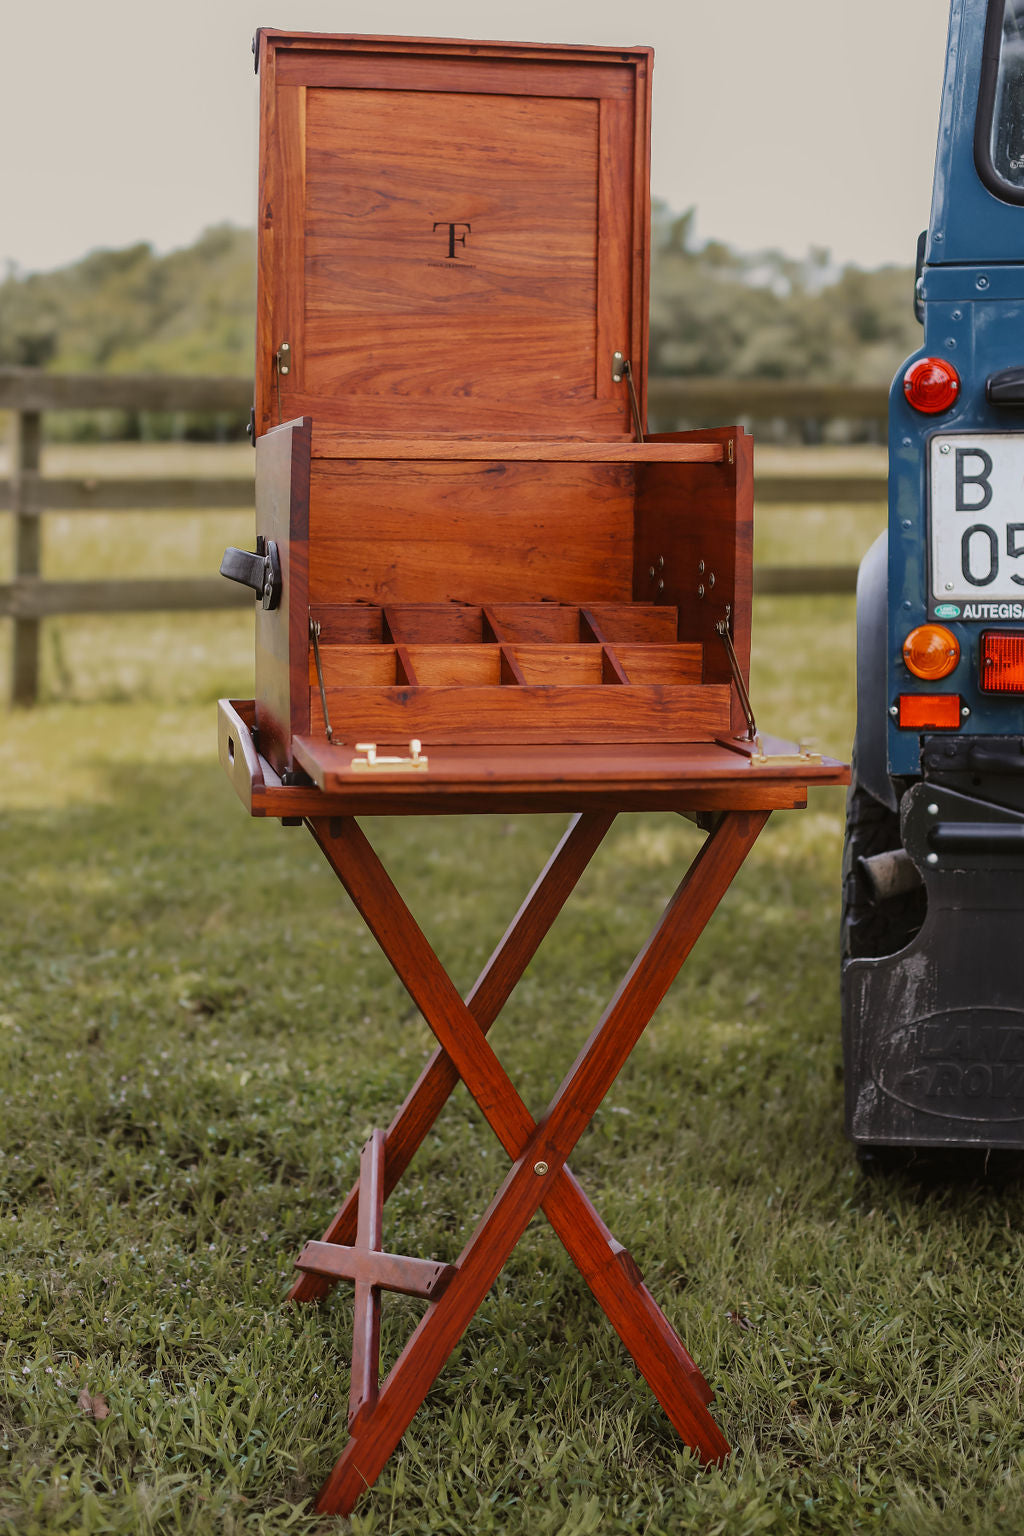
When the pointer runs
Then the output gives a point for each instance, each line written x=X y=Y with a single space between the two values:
x=1002 y=662
x=929 y=711
x=931 y=385
x=931 y=651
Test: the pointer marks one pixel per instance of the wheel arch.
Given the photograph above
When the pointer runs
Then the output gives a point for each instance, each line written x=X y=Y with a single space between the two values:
x=872 y=674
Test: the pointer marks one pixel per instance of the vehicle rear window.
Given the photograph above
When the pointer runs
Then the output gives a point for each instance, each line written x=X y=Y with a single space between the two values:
x=999 y=140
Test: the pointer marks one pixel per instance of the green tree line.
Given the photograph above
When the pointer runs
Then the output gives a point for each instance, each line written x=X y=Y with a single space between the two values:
x=714 y=311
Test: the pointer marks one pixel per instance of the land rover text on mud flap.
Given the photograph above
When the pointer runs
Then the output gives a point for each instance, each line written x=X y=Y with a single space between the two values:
x=933 y=896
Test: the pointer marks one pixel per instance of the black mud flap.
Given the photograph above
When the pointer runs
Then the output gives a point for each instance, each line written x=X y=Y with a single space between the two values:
x=933 y=1036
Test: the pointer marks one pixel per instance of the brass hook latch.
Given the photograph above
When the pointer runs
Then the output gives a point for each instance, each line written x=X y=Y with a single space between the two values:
x=372 y=761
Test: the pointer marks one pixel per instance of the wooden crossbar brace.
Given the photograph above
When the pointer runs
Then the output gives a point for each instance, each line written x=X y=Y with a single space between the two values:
x=538 y=1176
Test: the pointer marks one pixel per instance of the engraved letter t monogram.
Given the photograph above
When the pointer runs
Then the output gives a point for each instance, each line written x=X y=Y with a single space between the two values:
x=453 y=238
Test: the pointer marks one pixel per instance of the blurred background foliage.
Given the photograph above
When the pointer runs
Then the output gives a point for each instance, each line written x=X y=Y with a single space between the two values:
x=766 y=315
x=714 y=311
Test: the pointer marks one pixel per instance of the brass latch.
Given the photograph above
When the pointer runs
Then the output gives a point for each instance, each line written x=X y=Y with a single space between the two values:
x=409 y=764
x=802 y=757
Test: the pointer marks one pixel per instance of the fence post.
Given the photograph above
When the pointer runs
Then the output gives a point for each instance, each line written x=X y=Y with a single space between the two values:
x=25 y=458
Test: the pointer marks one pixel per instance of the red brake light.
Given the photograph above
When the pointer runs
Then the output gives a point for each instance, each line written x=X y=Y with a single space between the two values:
x=929 y=711
x=931 y=385
x=1002 y=662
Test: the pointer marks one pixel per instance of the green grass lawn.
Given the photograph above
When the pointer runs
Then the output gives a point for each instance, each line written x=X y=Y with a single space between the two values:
x=197 y=1035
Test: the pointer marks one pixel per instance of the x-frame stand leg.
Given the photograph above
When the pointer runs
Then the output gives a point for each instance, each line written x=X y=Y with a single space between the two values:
x=538 y=1176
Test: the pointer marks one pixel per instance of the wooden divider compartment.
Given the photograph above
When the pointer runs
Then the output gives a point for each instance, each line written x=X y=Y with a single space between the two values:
x=462 y=673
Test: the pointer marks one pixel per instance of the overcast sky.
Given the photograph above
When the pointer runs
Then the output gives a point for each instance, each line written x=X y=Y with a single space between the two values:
x=787 y=123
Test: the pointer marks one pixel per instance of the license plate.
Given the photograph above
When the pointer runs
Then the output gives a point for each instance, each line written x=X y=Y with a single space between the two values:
x=976 y=486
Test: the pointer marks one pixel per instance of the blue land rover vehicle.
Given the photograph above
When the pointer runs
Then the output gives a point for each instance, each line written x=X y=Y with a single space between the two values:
x=933 y=896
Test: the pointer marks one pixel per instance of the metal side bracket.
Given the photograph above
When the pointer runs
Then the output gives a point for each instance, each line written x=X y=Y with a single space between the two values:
x=759 y=758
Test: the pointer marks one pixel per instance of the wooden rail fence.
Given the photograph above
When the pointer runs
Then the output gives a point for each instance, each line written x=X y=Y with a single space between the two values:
x=28 y=393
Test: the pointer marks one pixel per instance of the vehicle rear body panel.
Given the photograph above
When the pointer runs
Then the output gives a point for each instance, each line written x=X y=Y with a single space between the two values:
x=934 y=1031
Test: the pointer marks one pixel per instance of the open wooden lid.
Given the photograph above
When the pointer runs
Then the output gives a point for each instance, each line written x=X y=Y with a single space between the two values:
x=453 y=236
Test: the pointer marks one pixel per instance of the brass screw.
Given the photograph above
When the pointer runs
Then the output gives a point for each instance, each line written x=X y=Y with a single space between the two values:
x=540 y=1169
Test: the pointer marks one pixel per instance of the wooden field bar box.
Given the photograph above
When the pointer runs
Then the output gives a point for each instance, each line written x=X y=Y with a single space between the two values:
x=473 y=547
x=483 y=588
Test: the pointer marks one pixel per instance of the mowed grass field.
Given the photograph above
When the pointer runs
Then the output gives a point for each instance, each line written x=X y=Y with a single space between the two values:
x=196 y=1036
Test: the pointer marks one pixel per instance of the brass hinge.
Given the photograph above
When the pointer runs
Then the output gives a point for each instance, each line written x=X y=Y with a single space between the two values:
x=371 y=761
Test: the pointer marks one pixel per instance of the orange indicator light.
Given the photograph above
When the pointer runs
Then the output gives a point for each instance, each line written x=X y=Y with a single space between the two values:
x=931 y=651
x=929 y=711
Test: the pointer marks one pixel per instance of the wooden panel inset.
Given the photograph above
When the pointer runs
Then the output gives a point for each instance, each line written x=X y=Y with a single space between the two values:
x=451 y=254
x=471 y=533
x=505 y=77
x=532 y=714
x=614 y=322
x=281 y=309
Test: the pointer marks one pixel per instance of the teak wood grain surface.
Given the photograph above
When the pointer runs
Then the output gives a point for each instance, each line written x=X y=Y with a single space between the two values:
x=452 y=238
x=497 y=594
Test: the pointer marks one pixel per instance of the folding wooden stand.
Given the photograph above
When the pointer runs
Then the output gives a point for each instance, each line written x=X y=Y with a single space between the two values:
x=735 y=807
x=482 y=586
